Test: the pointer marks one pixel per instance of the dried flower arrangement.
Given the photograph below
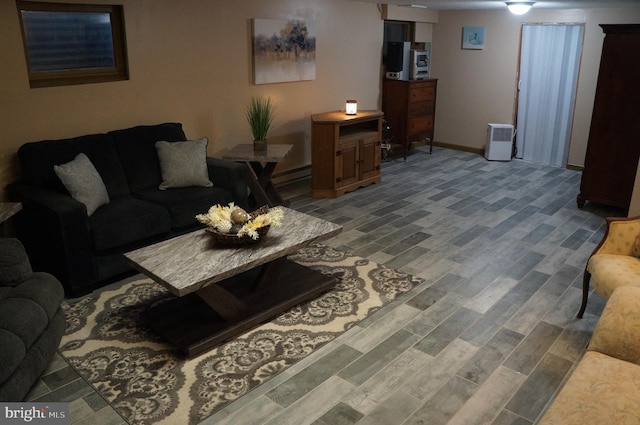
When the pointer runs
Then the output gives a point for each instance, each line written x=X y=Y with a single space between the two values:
x=233 y=220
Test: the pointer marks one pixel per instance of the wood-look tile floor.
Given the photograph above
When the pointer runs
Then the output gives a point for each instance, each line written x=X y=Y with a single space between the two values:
x=489 y=338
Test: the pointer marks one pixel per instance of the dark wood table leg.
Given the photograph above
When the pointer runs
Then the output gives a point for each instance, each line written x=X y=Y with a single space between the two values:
x=196 y=323
x=258 y=194
x=265 y=189
x=223 y=302
x=269 y=272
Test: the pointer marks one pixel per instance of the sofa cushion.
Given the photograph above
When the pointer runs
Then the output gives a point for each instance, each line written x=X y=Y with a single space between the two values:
x=14 y=262
x=37 y=160
x=127 y=220
x=616 y=333
x=601 y=390
x=610 y=271
x=185 y=203
x=183 y=164
x=83 y=182
x=44 y=290
x=33 y=363
x=25 y=312
x=136 y=147
x=31 y=326
x=12 y=352
x=22 y=317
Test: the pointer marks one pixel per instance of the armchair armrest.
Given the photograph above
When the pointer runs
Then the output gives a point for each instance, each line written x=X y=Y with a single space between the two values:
x=620 y=236
x=617 y=333
x=55 y=232
x=14 y=262
x=230 y=175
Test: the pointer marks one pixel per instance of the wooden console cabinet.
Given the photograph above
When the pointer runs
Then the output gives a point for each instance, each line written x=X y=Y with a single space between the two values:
x=613 y=150
x=409 y=107
x=345 y=153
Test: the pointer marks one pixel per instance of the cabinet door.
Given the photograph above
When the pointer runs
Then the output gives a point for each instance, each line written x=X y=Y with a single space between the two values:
x=370 y=157
x=347 y=163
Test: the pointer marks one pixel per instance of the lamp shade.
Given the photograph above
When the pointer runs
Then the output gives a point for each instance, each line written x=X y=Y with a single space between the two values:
x=519 y=7
x=351 y=108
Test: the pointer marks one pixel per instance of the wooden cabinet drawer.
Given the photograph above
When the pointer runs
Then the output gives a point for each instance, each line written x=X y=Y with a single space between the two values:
x=420 y=94
x=420 y=124
x=420 y=108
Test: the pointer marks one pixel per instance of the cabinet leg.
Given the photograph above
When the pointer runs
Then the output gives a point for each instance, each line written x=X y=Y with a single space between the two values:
x=580 y=201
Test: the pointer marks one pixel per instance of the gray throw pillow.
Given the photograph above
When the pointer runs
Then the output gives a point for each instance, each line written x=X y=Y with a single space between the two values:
x=83 y=182
x=183 y=164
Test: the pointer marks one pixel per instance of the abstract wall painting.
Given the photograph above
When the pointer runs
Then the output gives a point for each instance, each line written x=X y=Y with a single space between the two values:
x=473 y=38
x=283 y=50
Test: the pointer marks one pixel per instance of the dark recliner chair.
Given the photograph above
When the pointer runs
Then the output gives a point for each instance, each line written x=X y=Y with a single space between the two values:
x=32 y=321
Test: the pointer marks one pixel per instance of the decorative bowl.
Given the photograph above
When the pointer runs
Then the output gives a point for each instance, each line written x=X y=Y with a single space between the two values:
x=232 y=239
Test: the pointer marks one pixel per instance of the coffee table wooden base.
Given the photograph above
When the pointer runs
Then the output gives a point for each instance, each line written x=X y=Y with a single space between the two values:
x=194 y=327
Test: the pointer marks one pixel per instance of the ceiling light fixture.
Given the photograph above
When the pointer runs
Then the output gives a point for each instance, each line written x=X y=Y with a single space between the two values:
x=417 y=6
x=519 y=7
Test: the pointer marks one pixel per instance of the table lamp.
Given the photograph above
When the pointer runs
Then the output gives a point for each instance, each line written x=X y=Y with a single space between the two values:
x=351 y=107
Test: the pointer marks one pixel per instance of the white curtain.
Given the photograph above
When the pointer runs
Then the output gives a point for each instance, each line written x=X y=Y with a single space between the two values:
x=549 y=63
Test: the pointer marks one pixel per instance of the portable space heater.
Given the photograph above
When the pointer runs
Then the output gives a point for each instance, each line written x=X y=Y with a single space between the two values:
x=499 y=142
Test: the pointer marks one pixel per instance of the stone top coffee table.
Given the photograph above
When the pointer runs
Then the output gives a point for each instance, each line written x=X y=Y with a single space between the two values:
x=224 y=291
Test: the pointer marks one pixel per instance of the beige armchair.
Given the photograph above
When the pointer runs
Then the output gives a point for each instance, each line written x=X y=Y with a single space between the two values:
x=604 y=388
x=615 y=261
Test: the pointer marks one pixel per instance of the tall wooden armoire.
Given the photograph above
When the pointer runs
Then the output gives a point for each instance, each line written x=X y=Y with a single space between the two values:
x=613 y=149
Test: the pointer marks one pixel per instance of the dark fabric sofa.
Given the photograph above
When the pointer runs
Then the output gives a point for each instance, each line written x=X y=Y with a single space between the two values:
x=85 y=252
x=32 y=321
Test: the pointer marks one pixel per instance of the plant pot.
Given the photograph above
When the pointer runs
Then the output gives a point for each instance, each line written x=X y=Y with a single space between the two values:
x=260 y=145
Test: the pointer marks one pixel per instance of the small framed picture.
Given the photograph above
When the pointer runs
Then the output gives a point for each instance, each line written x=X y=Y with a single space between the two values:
x=473 y=38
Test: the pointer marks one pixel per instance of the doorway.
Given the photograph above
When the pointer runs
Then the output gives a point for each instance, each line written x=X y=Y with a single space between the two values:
x=549 y=65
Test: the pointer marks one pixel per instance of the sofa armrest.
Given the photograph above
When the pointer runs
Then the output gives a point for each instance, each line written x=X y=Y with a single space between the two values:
x=617 y=333
x=55 y=232
x=14 y=262
x=230 y=175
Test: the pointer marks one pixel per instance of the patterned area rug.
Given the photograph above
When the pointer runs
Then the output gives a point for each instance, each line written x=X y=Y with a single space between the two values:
x=148 y=382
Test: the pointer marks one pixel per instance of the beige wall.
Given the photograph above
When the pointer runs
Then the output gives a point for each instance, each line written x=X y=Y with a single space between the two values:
x=190 y=62
x=477 y=87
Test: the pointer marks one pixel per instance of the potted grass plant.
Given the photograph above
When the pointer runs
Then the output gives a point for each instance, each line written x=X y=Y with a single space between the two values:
x=260 y=115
